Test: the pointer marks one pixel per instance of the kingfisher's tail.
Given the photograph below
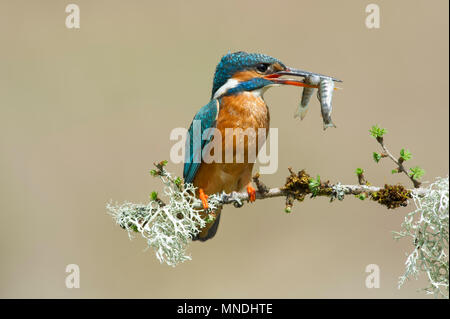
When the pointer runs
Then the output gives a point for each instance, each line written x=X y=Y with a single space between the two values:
x=210 y=230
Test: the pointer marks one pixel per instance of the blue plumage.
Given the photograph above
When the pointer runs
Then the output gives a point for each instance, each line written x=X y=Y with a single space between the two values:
x=250 y=85
x=207 y=115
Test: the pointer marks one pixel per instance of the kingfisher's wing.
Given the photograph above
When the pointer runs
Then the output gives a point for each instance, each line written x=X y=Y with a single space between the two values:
x=207 y=117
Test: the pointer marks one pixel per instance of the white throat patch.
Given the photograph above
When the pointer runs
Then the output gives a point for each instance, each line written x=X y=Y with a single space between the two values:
x=231 y=83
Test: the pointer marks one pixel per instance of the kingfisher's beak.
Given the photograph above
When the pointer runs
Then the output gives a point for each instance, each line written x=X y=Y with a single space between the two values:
x=275 y=77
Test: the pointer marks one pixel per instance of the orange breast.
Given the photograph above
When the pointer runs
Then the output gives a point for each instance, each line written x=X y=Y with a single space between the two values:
x=243 y=111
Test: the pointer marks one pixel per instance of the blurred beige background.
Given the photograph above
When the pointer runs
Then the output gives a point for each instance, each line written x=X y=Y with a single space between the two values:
x=85 y=113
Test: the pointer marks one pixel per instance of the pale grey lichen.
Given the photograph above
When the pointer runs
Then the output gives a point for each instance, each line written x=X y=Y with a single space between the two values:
x=167 y=227
x=338 y=191
x=428 y=227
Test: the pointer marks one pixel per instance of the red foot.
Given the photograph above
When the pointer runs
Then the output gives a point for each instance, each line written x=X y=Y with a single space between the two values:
x=251 y=193
x=203 y=198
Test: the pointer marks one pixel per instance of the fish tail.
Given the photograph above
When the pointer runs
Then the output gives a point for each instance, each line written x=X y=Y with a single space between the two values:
x=301 y=111
x=327 y=125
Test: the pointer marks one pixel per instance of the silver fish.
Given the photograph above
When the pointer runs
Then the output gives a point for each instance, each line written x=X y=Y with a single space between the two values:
x=306 y=96
x=325 y=95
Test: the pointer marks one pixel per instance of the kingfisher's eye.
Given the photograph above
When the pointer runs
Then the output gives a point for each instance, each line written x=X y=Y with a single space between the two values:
x=262 y=67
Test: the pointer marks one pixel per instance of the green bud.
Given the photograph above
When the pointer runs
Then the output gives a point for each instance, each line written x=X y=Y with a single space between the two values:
x=376 y=131
x=376 y=157
x=362 y=196
x=405 y=154
x=416 y=172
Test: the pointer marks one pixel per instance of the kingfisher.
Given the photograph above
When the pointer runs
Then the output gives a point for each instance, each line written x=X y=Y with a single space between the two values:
x=237 y=102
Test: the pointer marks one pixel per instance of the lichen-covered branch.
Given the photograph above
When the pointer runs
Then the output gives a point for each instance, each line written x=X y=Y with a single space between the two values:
x=169 y=225
x=298 y=186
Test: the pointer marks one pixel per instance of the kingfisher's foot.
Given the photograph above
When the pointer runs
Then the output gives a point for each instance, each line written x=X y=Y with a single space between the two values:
x=203 y=198
x=251 y=193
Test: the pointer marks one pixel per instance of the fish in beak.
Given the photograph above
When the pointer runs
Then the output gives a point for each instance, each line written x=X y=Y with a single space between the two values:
x=310 y=81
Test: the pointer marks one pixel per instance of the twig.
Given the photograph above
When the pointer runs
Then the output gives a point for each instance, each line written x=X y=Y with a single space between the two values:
x=260 y=186
x=398 y=161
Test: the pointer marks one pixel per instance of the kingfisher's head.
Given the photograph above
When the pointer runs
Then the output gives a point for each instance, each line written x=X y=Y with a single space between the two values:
x=241 y=71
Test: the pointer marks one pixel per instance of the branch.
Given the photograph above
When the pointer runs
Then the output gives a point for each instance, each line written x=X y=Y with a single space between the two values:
x=298 y=187
x=280 y=192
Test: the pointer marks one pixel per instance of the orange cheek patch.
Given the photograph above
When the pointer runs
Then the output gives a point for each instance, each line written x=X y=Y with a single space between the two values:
x=246 y=75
